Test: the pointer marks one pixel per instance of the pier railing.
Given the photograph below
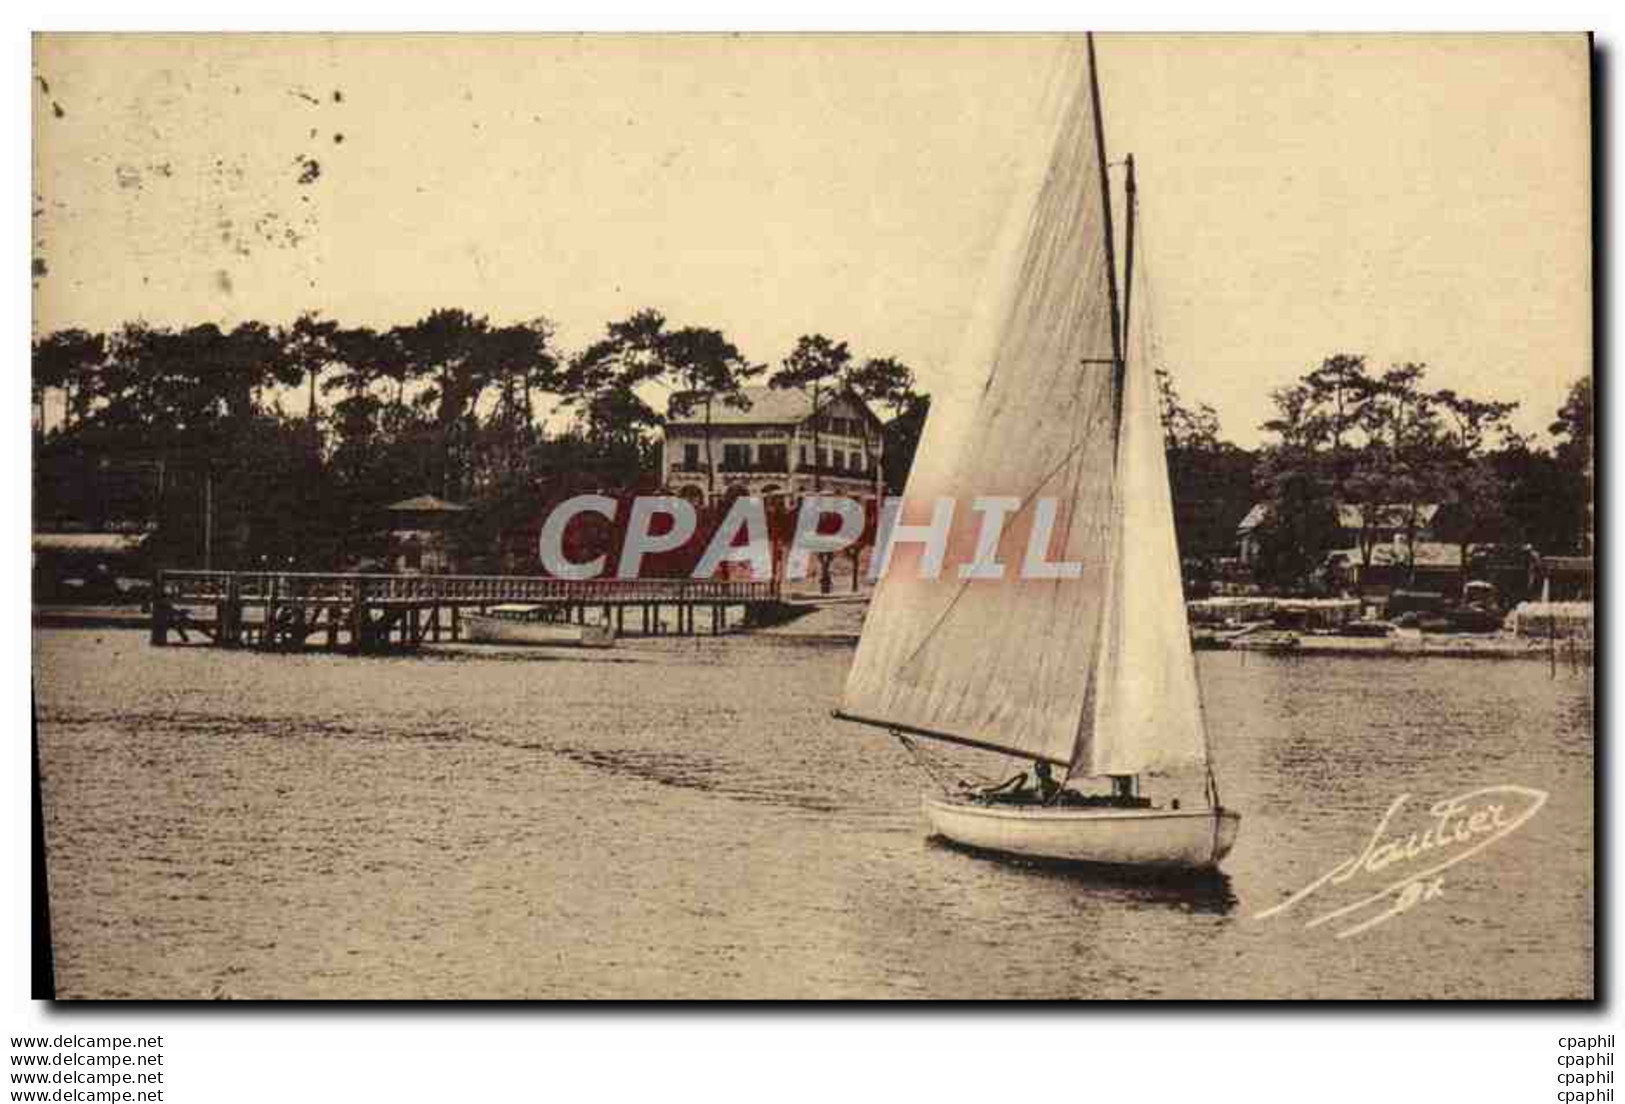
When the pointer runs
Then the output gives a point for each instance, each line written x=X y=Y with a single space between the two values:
x=290 y=610
x=377 y=589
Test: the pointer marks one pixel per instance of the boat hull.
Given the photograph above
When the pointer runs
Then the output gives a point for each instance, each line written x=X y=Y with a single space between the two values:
x=480 y=629
x=1175 y=839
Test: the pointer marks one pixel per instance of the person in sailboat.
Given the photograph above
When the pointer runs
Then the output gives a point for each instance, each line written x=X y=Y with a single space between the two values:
x=1046 y=786
x=1014 y=789
x=1045 y=790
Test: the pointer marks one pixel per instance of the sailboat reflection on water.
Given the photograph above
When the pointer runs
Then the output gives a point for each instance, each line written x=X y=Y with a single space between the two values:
x=1204 y=890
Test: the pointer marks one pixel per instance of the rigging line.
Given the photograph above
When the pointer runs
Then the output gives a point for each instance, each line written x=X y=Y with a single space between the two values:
x=1084 y=727
x=933 y=769
x=1130 y=216
x=1074 y=493
x=1109 y=609
x=1102 y=521
x=1105 y=197
x=1150 y=332
x=1118 y=336
x=1150 y=314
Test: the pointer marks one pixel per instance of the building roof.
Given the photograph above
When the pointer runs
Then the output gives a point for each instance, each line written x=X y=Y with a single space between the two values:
x=1428 y=554
x=89 y=544
x=1255 y=517
x=1350 y=515
x=767 y=406
x=1566 y=565
x=1395 y=515
x=427 y=503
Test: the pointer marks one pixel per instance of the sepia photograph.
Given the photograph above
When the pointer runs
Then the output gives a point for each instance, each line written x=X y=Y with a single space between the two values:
x=814 y=517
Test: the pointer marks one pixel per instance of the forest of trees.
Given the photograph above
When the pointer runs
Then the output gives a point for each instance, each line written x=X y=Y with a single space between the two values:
x=293 y=439
x=1383 y=443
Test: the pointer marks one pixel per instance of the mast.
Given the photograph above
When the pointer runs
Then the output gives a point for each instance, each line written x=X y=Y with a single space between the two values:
x=1120 y=783
x=1128 y=260
x=1111 y=251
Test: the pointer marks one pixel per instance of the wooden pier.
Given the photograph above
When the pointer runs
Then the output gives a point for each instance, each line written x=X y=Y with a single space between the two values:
x=369 y=614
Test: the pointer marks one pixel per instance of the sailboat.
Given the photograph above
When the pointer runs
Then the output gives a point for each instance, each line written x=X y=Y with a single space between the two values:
x=1055 y=412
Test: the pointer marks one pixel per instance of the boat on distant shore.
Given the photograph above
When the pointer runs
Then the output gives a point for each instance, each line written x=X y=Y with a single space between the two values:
x=1371 y=630
x=514 y=623
x=1211 y=638
x=1278 y=643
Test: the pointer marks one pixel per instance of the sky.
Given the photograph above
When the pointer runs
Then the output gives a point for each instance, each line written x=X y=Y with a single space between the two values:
x=1410 y=198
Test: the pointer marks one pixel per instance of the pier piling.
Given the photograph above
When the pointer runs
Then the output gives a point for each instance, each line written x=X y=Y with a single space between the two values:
x=361 y=614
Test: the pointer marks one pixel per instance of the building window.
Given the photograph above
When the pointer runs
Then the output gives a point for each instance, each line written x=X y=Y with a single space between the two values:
x=823 y=457
x=735 y=457
x=803 y=461
x=857 y=461
x=691 y=457
x=774 y=457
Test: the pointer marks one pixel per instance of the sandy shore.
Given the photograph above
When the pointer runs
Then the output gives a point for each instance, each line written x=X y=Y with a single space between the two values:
x=1496 y=646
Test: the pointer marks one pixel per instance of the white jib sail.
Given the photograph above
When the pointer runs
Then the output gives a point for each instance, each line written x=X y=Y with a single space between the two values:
x=1147 y=713
x=1007 y=663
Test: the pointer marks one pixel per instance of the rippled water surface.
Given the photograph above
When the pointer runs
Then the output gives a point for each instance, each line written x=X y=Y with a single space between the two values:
x=682 y=818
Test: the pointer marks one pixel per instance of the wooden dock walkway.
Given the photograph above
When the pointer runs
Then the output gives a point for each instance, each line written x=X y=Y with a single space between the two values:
x=369 y=614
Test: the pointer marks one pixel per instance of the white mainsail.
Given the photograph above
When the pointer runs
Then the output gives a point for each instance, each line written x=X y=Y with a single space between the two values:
x=1019 y=664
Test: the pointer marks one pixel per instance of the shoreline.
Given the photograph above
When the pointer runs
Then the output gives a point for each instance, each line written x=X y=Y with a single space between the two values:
x=91 y=617
x=1441 y=646
x=838 y=623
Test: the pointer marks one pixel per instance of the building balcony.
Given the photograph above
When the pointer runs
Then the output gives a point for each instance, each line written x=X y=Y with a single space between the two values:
x=801 y=481
x=781 y=470
x=867 y=475
x=729 y=469
x=724 y=467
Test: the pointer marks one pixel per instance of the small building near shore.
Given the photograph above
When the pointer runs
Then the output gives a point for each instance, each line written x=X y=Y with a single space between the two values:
x=1431 y=566
x=420 y=535
x=1565 y=579
x=1554 y=620
x=1377 y=526
x=775 y=442
x=91 y=566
